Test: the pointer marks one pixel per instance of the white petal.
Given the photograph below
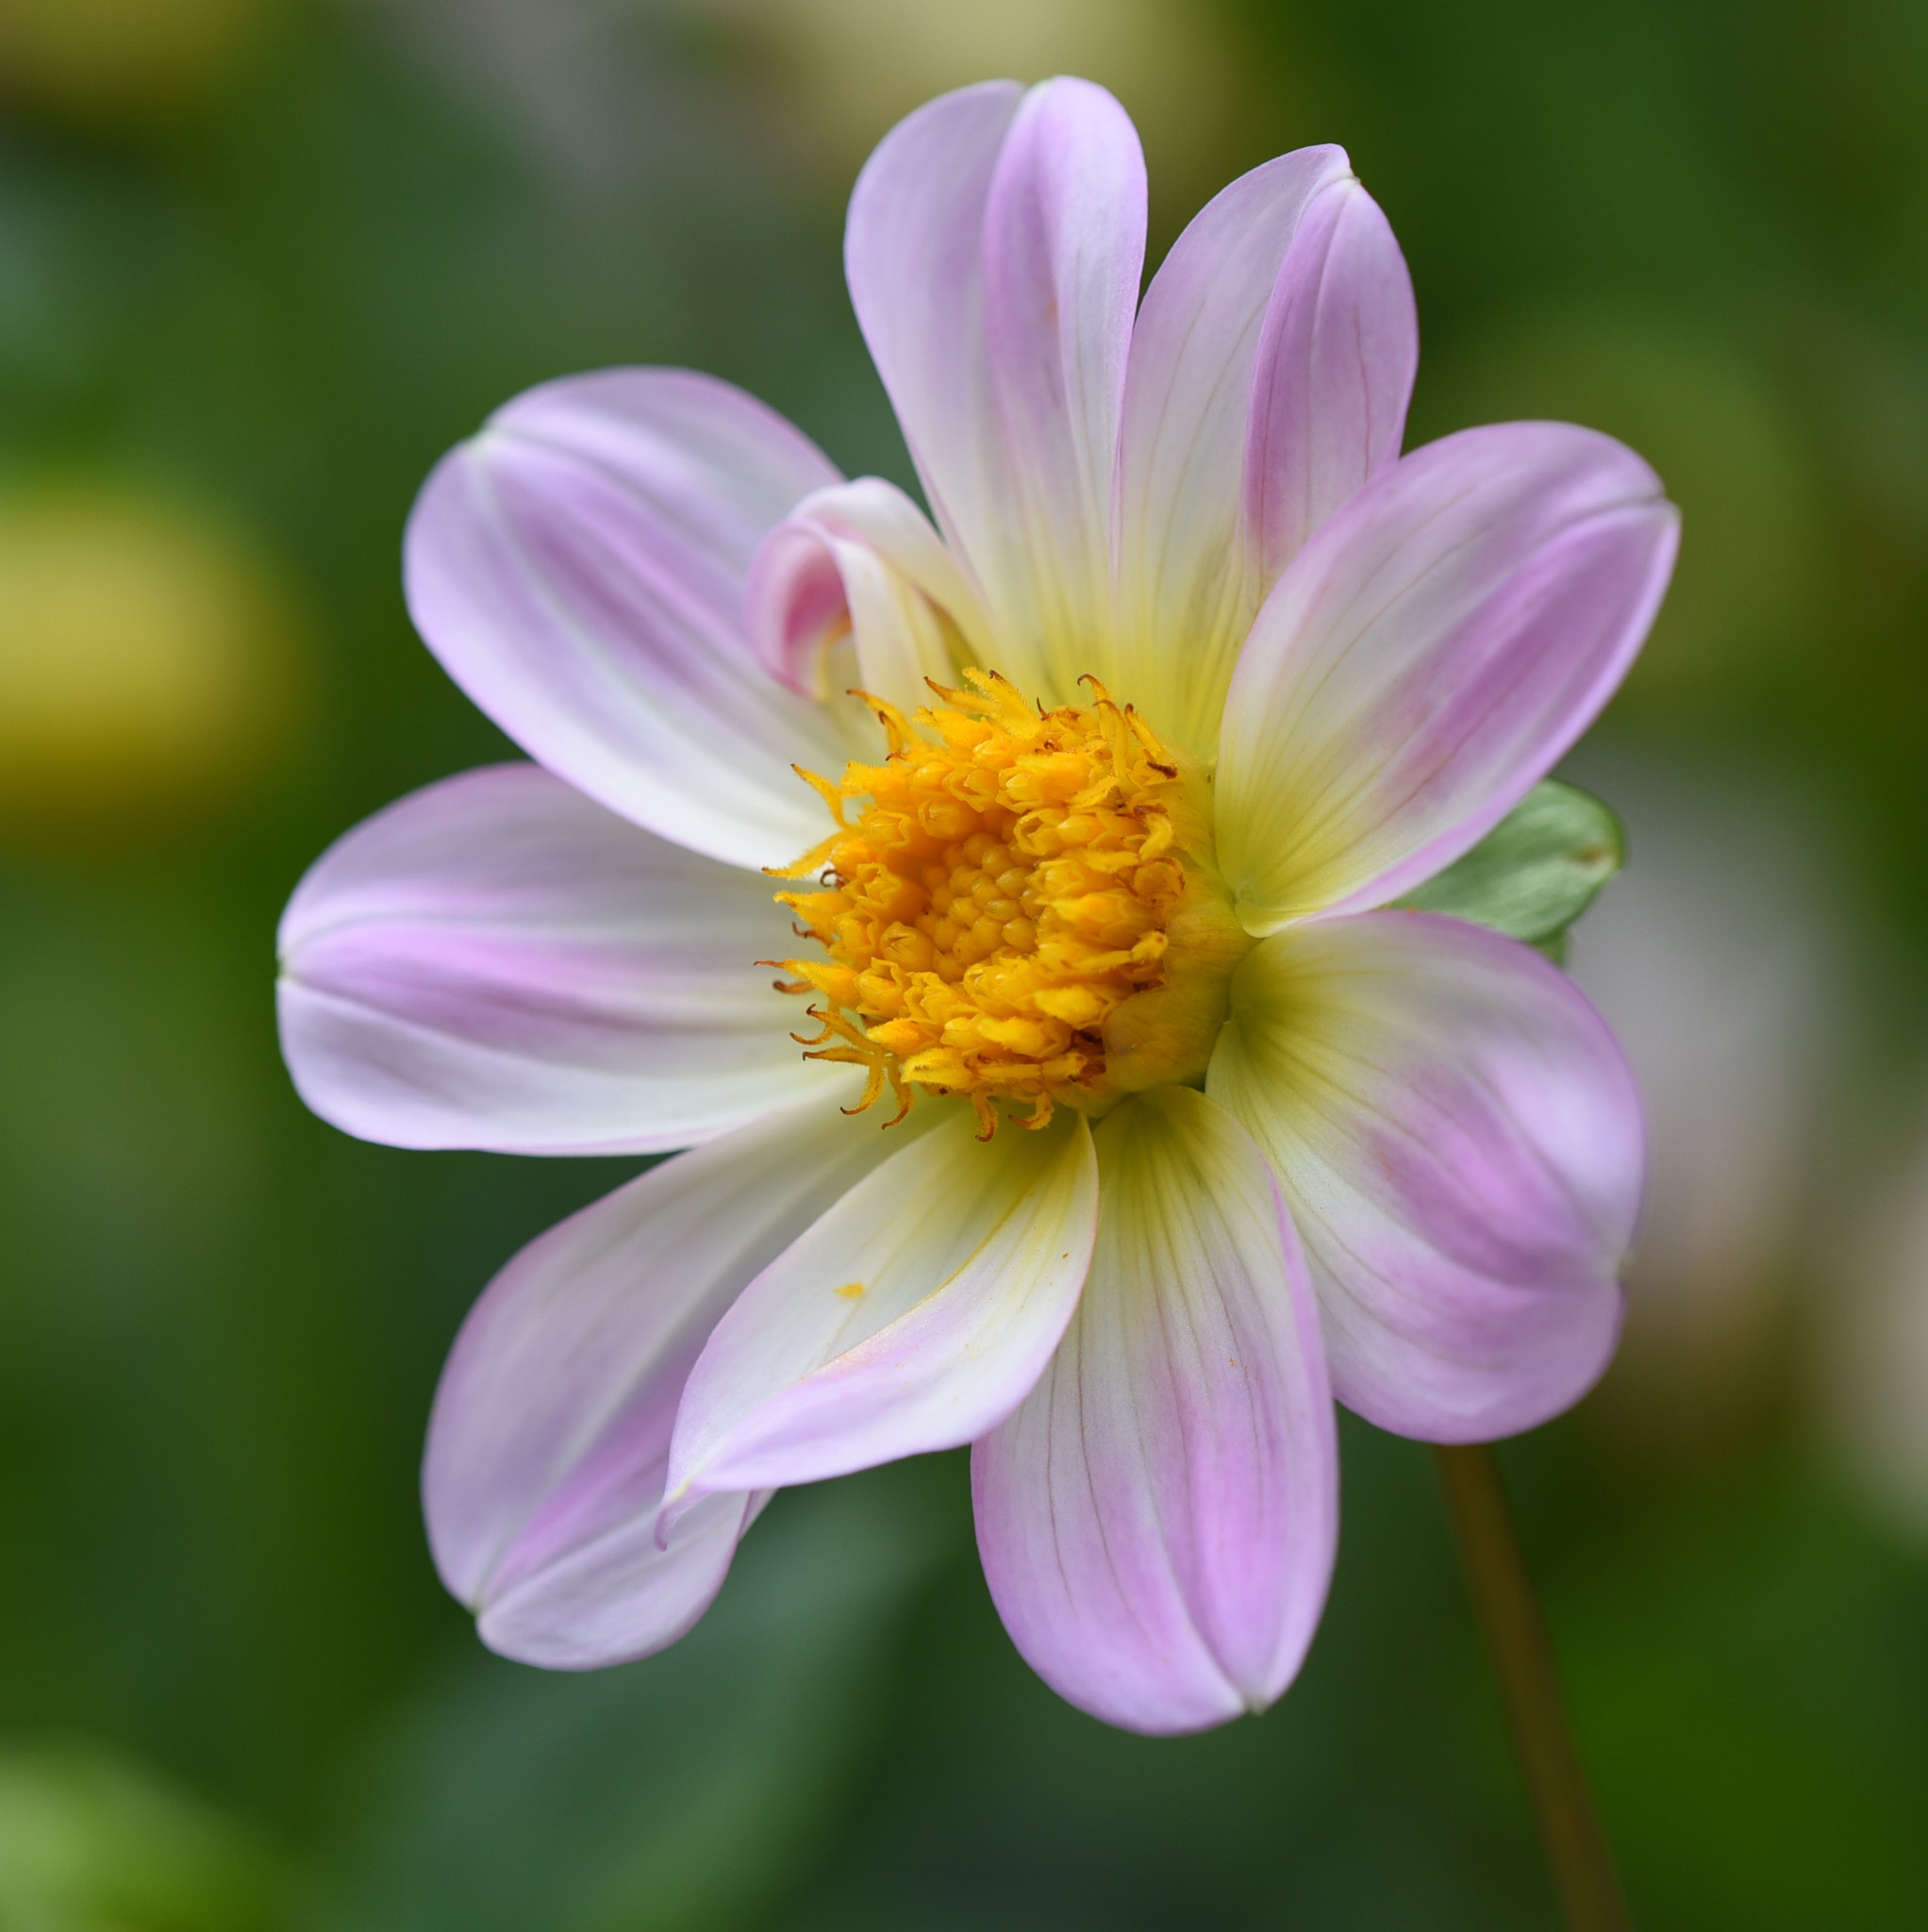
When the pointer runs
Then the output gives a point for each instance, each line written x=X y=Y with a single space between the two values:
x=579 y=568
x=497 y=962
x=1426 y=658
x=1461 y=1145
x=915 y=1315
x=1269 y=372
x=994 y=248
x=861 y=561
x=1159 y=1520
x=551 y=1431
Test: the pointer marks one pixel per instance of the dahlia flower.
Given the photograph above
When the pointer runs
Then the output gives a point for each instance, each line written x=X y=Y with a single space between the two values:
x=999 y=908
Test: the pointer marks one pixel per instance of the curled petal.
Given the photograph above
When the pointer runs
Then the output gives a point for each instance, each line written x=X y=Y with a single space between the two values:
x=1269 y=374
x=1460 y=1143
x=860 y=561
x=797 y=606
x=497 y=962
x=994 y=247
x=915 y=1315
x=1159 y=1520
x=551 y=1433
x=1431 y=650
x=579 y=568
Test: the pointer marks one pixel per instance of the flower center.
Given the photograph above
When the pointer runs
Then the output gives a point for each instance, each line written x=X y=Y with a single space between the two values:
x=1017 y=906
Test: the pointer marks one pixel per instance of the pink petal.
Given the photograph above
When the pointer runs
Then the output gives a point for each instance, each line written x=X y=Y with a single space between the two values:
x=1269 y=374
x=497 y=962
x=1460 y=1143
x=579 y=569
x=551 y=1432
x=1159 y=1520
x=858 y=562
x=1336 y=358
x=1427 y=657
x=915 y=1315
x=994 y=248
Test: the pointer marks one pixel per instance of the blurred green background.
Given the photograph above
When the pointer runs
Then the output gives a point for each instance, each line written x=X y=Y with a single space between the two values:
x=262 y=261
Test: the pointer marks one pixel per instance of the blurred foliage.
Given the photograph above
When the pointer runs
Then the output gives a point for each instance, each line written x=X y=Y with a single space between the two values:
x=259 y=264
x=644 y=1798
x=1702 y=408
x=90 y=1844
x=835 y=76
x=115 y=63
x=1749 y=1674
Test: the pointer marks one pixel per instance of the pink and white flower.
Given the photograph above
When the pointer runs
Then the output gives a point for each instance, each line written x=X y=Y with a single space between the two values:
x=1193 y=673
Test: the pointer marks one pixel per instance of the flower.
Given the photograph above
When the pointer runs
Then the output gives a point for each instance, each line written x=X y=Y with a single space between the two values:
x=1128 y=1125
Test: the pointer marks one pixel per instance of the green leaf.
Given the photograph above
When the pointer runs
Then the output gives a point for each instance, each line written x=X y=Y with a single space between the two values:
x=1536 y=872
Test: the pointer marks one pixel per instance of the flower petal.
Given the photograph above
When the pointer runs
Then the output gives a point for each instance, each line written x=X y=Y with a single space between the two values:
x=915 y=1315
x=993 y=251
x=1460 y=1143
x=1433 y=650
x=913 y=253
x=579 y=569
x=497 y=962
x=1270 y=375
x=1336 y=358
x=1159 y=1520
x=861 y=561
x=551 y=1431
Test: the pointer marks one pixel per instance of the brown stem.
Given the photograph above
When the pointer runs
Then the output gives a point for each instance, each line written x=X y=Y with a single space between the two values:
x=1569 y=1833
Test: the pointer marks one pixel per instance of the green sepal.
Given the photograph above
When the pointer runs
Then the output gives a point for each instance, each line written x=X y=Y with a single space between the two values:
x=1536 y=872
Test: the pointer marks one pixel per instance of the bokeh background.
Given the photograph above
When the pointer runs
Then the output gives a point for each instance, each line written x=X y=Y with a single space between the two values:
x=262 y=261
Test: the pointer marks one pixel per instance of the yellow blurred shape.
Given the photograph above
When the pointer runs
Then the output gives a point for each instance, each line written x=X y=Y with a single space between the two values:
x=849 y=69
x=149 y=666
x=109 y=62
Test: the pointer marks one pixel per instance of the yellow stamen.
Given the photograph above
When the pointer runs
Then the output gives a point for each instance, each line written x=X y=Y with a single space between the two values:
x=995 y=891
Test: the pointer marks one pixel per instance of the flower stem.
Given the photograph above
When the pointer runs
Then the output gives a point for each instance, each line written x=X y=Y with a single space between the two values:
x=1569 y=1832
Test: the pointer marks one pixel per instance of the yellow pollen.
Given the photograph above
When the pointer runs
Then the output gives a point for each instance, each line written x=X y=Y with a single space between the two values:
x=852 y=1290
x=993 y=891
